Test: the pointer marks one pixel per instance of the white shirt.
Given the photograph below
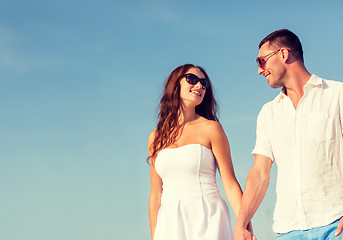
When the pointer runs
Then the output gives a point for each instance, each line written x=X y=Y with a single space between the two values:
x=307 y=146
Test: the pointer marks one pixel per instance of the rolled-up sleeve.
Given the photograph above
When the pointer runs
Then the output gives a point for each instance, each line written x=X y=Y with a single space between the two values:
x=341 y=110
x=262 y=145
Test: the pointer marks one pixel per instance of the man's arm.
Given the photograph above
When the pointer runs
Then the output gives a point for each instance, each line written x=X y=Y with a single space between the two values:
x=254 y=192
x=340 y=224
x=339 y=228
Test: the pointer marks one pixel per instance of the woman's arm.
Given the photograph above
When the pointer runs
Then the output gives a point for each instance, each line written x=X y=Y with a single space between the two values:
x=221 y=150
x=155 y=192
x=155 y=199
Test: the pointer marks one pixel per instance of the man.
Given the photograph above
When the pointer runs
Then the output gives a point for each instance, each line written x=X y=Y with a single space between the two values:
x=302 y=131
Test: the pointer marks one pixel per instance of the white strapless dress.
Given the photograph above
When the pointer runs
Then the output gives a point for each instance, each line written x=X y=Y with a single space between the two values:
x=191 y=206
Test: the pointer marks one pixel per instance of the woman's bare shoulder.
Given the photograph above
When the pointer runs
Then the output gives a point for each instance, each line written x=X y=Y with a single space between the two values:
x=211 y=125
x=151 y=138
x=210 y=128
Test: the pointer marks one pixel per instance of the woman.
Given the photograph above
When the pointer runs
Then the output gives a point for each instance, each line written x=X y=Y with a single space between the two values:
x=184 y=151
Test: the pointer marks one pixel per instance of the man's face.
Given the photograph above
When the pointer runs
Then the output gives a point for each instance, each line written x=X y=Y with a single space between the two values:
x=271 y=66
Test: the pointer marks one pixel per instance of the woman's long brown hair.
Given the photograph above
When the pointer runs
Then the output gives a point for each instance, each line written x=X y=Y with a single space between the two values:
x=170 y=104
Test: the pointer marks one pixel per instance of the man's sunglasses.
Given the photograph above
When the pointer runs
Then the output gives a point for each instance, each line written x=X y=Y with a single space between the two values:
x=193 y=79
x=261 y=61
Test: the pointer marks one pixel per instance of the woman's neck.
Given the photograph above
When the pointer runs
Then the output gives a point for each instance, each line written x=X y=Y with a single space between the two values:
x=187 y=115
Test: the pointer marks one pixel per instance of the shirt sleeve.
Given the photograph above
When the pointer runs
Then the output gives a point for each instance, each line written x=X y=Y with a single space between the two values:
x=341 y=110
x=262 y=145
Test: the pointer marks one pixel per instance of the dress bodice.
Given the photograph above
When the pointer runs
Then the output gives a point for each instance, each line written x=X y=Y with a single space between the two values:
x=187 y=171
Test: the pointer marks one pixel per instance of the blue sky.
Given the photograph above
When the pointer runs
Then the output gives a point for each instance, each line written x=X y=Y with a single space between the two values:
x=80 y=84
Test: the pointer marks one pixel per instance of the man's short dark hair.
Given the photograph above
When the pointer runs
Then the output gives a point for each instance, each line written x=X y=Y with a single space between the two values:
x=285 y=38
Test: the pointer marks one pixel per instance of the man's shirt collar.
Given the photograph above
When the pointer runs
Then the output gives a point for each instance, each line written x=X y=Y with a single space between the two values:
x=313 y=81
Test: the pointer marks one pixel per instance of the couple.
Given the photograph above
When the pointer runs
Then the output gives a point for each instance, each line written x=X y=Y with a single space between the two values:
x=301 y=130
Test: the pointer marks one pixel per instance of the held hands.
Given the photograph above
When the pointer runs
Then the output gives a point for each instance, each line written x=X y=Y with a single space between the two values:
x=242 y=233
x=339 y=228
x=249 y=227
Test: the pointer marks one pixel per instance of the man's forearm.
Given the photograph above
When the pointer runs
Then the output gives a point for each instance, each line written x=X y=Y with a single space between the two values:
x=255 y=189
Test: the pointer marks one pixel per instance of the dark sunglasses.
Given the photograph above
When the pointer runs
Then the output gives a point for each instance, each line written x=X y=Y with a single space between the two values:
x=261 y=61
x=193 y=79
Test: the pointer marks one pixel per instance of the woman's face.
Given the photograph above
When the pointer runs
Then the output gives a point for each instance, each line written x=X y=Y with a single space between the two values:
x=192 y=94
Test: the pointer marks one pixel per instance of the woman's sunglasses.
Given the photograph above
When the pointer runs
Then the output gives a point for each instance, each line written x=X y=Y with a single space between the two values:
x=193 y=79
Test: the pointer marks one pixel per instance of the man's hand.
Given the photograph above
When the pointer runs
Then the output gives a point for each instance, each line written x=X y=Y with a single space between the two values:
x=339 y=228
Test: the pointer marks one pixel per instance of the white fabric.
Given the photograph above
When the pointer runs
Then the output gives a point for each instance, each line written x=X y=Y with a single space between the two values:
x=191 y=206
x=307 y=145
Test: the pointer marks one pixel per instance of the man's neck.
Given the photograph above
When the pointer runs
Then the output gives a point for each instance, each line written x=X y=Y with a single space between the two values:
x=294 y=88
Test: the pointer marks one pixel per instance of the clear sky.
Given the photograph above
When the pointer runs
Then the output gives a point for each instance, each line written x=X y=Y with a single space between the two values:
x=80 y=82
